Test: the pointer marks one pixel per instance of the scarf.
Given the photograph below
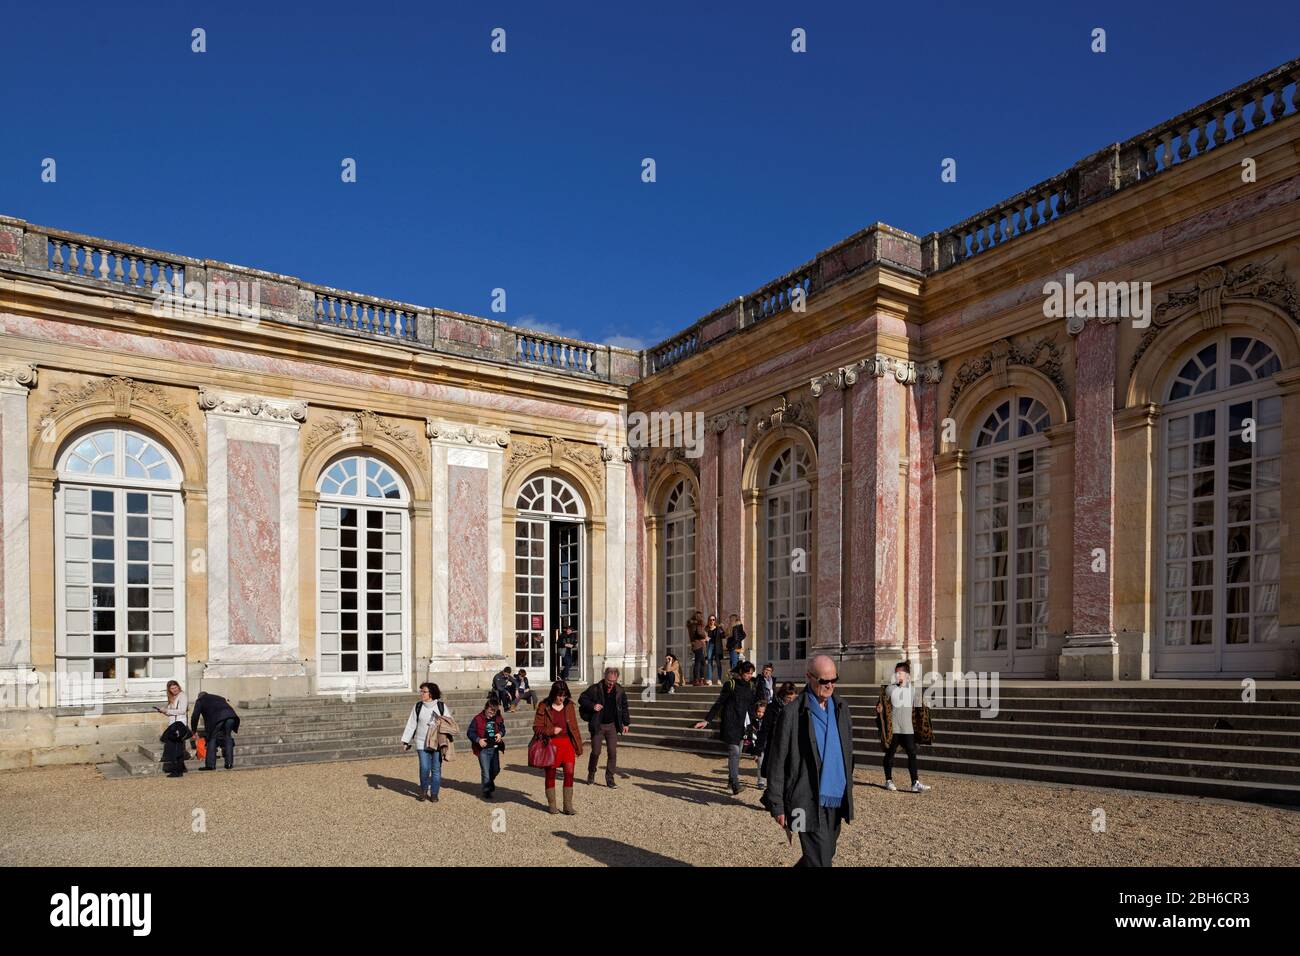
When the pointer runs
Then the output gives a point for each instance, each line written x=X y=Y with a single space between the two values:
x=826 y=730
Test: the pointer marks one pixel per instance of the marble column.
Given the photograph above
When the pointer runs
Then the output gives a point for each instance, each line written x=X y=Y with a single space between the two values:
x=15 y=584
x=730 y=429
x=921 y=423
x=469 y=563
x=828 y=591
x=616 y=650
x=636 y=580
x=1091 y=651
x=877 y=409
x=253 y=463
x=706 y=535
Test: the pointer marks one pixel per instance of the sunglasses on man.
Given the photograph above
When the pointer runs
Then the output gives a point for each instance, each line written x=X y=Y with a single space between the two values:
x=826 y=681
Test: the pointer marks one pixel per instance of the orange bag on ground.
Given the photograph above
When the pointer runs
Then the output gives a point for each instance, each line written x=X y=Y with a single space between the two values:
x=200 y=748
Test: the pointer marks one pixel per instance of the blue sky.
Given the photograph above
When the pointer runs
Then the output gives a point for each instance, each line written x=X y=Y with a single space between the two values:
x=523 y=170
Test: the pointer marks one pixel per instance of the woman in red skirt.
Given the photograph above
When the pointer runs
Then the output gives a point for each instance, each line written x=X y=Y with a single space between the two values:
x=557 y=721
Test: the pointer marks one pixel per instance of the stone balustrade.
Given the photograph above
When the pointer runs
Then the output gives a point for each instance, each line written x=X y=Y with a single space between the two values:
x=567 y=355
x=368 y=316
x=70 y=254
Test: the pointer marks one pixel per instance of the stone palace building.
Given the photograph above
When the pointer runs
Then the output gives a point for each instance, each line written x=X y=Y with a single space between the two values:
x=913 y=447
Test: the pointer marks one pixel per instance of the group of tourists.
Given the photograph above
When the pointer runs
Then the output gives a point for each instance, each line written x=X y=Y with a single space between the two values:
x=220 y=724
x=513 y=689
x=557 y=739
x=715 y=652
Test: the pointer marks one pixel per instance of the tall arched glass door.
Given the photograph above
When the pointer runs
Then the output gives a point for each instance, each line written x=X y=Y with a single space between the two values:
x=363 y=598
x=678 y=568
x=788 y=550
x=120 y=589
x=1008 y=540
x=549 y=579
x=1220 y=512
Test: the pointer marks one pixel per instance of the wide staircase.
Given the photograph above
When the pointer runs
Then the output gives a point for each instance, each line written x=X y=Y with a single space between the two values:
x=1198 y=740
x=296 y=730
x=1195 y=740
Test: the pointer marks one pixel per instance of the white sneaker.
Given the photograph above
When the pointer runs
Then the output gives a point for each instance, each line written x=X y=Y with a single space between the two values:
x=889 y=785
x=919 y=787
x=672 y=690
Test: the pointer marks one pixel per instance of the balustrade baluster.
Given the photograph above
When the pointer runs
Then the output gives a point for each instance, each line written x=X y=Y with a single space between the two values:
x=117 y=267
x=1257 y=117
x=1220 y=134
x=1202 y=141
x=1184 y=147
x=1279 y=105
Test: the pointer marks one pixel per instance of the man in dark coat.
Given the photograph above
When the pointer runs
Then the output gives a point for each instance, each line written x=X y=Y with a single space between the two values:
x=220 y=724
x=810 y=766
x=604 y=706
x=736 y=706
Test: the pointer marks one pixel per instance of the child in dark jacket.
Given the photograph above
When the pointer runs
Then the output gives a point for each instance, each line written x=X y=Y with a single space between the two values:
x=487 y=732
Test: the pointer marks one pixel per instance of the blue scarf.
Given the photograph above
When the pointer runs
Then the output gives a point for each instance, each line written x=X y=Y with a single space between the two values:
x=826 y=729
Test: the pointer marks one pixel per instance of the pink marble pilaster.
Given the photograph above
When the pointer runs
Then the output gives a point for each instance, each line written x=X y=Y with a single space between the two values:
x=828 y=593
x=253 y=540
x=706 y=540
x=634 y=566
x=875 y=539
x=469 y=562
x=1094 y=435
x=922 y=405
x=731 y=530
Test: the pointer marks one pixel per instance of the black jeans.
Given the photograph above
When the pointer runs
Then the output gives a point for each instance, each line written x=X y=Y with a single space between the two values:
x=221 y=735
x=698 y=667
x=666 y=682
x=908 y=743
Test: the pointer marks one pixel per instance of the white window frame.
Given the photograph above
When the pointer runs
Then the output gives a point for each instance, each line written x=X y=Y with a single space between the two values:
x=1033 y=660
x=552 y=487
x=683 y=523
x=1217 y=658
x=71 y=691
x=362 y=681
x=788 y=492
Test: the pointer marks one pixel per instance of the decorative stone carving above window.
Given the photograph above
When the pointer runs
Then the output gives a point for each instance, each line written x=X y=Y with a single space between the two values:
x=122 y=392
x=1219 y=285
x=1042 y=355
x=561 y=453
x=785 y=412
x=251 y=406
x=670 y=456
x=365 y=428
x=469 y=434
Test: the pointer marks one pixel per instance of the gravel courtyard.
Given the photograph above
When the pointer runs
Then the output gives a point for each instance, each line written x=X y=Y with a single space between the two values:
x=671 y=809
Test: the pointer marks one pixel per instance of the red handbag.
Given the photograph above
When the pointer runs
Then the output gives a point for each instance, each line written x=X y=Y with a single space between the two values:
x=541 y=752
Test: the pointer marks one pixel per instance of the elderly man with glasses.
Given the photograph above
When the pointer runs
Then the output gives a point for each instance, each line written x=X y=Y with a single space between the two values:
x=810 y=770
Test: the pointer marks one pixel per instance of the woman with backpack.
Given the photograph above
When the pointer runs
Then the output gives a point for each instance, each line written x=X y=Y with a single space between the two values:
x=556 y=721
x=424 y=714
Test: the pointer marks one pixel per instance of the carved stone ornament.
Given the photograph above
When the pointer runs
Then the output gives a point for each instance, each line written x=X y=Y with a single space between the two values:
x=365 y=428
x=1217 y=286
x=23 y=376
x=668 y=457
x=721 y=422
x=469 y=434
x=785 y=412
x=123 y=393
x=1043 y=355
x=251 y=406
x=561 y=453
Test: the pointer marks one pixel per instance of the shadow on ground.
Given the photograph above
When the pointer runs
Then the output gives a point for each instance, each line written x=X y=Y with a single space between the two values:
x=614 y=853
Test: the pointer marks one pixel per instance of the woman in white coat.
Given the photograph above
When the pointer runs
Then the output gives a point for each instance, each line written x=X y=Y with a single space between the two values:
x=177 y=710
x=428 y=708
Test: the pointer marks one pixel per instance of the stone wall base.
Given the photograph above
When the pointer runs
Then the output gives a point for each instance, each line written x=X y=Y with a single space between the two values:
x=1090 y=657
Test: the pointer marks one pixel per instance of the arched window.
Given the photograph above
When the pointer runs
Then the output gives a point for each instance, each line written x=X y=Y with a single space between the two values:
x=120 y=588
x=548 y=576
x=363 y=609
x=1221 y=510
x=678 y=567
x=1008 y=538
x=787 y=537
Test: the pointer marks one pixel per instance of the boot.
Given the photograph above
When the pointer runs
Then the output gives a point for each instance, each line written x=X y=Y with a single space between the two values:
x=550 y=799
x=568 y=801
